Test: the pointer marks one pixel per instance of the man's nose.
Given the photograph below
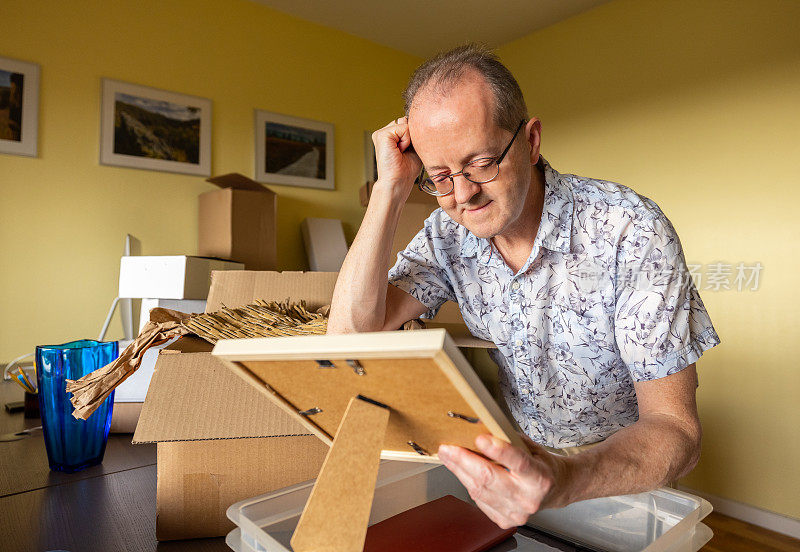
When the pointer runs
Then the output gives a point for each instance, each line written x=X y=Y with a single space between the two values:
x=463 y=189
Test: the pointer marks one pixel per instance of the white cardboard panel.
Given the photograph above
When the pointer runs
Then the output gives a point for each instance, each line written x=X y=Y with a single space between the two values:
x=170 y=276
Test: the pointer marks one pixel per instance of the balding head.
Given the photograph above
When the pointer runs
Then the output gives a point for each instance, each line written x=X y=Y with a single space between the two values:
x=440 y=74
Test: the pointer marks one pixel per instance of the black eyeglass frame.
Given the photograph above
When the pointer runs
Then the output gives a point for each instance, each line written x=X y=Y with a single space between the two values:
x=497 y=160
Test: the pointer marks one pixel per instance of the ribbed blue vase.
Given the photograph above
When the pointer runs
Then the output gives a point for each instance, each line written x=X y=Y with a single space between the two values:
x=72 y=444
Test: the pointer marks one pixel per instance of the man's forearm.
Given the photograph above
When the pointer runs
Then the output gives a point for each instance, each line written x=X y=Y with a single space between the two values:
x=654 y=451
x=359 y=299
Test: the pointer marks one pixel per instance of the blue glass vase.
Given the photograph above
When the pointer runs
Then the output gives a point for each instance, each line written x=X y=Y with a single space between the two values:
x=72 y=444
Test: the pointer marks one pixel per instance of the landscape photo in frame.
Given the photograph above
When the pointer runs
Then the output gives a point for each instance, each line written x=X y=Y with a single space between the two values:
x=293 y=151
x=19 y=107
x=147 y=128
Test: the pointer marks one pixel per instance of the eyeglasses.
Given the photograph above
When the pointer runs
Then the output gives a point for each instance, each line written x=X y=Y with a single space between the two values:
x=480 y=171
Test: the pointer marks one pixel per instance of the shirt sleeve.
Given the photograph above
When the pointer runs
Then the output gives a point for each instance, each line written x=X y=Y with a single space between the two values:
x=661 y=325
x=418 y=272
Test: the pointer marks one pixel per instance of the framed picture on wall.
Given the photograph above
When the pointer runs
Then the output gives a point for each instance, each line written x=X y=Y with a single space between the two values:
x=293 y=151
x=19 y=107
x=147 y=128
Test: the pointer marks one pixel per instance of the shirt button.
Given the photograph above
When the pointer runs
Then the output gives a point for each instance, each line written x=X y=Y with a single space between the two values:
x=518 y=343
x=515 y=286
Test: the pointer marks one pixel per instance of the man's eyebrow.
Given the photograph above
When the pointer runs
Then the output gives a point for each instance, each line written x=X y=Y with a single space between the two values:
x=464 y=160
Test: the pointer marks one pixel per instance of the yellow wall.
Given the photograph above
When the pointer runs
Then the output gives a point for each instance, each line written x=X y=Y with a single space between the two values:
x=697 y=105
x=64 y=216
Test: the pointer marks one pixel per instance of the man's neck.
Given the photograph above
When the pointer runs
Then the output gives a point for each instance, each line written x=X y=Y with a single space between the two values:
x=516 y=243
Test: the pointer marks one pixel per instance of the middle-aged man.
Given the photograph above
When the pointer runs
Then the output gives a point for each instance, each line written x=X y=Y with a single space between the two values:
x=580 y=283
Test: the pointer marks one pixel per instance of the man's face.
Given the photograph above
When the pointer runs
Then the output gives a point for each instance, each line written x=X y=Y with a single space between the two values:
x=451 y=130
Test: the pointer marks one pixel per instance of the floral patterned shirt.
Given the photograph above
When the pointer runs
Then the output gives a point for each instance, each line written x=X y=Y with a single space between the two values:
x=604 y=300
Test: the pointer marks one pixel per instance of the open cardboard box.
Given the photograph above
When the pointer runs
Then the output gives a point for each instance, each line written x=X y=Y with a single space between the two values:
x=218 y=439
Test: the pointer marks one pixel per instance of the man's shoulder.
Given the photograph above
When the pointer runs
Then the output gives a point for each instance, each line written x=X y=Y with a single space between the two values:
x=615 y=218
x=615 y=198
x=613 y=202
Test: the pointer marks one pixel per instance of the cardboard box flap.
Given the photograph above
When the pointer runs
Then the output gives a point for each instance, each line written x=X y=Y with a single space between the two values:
x=236 y=288
x=188 y=344
x=238 y=182
x=193 y=396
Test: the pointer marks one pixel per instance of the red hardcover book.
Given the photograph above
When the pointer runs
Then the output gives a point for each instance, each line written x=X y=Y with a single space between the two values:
x=443 y=524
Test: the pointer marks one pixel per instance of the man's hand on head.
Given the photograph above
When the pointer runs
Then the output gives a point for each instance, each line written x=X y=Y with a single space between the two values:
x=398 y=163
x=513 y=483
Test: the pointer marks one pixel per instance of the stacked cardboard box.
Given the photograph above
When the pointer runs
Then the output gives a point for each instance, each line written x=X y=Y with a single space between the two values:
x=238 y=222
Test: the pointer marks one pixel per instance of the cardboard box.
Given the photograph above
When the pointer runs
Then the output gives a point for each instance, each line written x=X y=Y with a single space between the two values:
x=417 y=208
x=218 y=440
x=169 y=276
x=125 y=416
x=325 y=245
x=238 y=222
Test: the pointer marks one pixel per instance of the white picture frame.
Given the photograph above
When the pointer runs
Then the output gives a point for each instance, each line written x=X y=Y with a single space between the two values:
x=19 y=109
x=293 y=151
x=130 y=115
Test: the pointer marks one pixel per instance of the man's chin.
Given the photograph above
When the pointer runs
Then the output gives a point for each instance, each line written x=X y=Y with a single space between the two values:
x=480 y=230
x=482 y=223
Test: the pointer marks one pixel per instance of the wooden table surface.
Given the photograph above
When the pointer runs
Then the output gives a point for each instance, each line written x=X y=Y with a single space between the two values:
x=112 y=507
x=104 y=508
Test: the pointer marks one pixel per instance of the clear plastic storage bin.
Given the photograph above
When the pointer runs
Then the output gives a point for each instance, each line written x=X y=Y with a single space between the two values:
x=661 y=520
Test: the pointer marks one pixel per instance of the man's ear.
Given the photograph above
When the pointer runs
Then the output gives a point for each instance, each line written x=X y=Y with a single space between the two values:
x=533 y=134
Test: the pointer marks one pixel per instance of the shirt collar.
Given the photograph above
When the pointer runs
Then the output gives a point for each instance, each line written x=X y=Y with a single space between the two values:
x=555 y=227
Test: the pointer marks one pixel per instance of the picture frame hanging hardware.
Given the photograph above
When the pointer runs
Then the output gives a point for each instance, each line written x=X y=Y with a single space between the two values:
x=325 y=364
x=357 y=367
x=310 y=411
x=469 y=419
x=418 y=449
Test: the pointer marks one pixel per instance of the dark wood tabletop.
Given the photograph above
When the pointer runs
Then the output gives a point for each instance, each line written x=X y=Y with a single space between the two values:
x=104 y=508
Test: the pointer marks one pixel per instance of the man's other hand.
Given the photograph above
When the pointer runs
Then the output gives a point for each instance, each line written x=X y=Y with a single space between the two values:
x=512 y=484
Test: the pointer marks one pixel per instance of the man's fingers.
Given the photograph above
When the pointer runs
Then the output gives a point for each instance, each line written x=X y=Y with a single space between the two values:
x=481 y=477
x=501 y=490
x=397 y=130
x=454 y=461
x=503 y=453
x=398 y=121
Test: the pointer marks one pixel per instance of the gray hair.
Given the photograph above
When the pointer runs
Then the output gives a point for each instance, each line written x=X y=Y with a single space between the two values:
x=446 y=68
